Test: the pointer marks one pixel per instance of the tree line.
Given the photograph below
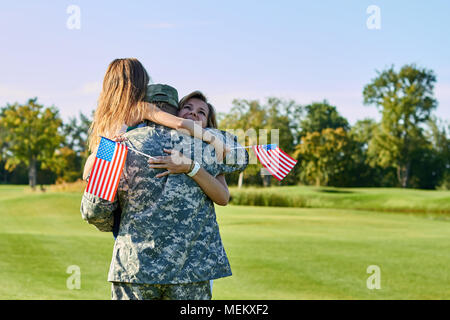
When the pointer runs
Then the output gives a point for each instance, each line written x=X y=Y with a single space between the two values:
x=408 y=147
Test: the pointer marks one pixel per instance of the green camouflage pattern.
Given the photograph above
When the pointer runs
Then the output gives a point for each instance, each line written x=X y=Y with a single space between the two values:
x=162 y=93
x=137 y=291
x=168 y=230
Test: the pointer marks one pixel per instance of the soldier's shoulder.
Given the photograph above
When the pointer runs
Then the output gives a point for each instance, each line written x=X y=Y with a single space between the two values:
x=138 y=132
x=144 y=133
x=228 y=137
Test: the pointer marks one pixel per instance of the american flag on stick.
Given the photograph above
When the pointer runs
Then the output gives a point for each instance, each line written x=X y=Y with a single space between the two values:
x=275 y=160
x=107 y=169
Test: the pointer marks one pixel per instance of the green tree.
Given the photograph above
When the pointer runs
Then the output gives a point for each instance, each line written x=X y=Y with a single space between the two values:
x=76 y=133
x=31 y=132
x=365 y=170
x=324 y=156
x=319 y=116
x=4 y=154
x=72 y=154
x=406 y=100
x=315 y=165
x=432 y=167
x=246 y=118
x=363 y=131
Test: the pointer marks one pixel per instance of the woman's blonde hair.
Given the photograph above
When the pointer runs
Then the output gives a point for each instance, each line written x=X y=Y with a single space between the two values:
x=121 y=100
x=211 y=121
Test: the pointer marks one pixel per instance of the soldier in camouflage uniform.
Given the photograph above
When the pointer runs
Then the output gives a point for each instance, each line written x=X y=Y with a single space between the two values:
x=168 y=245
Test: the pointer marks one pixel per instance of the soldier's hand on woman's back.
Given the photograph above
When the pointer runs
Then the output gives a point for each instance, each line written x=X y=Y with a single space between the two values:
x=174 y=163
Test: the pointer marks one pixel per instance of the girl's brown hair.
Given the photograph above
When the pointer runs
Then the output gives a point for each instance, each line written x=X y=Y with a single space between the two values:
x=211 y=122
x=121 y=99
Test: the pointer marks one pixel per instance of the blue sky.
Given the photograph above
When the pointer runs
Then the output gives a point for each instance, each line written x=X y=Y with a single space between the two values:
x=302 y=50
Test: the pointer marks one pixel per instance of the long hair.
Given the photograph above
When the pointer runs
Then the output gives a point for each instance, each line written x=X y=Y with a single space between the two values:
x=211 y=121
x=121 y=100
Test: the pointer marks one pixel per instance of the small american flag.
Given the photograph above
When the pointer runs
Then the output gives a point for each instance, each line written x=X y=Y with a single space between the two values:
x=275 y=160
x=107 y=169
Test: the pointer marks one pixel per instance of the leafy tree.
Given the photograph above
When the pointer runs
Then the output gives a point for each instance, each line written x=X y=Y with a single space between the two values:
x=281 y=115
x=76 y=133
x=319 y=116
x=406 y=100
x=433 y=169
x=365 y=170
x=72 y=155
x=314 y=119
x=246 y=118
x=324 y=155
x=3 y=151
x=363 y=131
x=31 y=132
x=427 y=167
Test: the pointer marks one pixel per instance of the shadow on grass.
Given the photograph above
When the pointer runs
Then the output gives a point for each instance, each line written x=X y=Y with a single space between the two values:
x=334 y=191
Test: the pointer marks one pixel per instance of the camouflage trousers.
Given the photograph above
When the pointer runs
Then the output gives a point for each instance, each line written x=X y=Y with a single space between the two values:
x=183 y=291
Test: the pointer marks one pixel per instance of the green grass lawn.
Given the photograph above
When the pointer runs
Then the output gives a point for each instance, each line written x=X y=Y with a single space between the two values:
x=275 y=253
x=378 y=199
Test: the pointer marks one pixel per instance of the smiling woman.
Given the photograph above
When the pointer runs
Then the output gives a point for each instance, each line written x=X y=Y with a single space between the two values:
x=195 y=106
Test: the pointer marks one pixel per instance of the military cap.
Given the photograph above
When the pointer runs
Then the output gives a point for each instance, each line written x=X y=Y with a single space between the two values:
x=162 y=93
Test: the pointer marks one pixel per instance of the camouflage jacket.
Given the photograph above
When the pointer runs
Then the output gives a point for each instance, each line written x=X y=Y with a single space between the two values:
x=168 y=230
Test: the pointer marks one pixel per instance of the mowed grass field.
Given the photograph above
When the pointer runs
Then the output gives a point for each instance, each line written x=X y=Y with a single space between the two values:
x=275 y=253
x=374 y=199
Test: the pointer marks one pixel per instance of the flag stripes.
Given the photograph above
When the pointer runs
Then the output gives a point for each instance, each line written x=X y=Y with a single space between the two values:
x=275 y=160
x=107 y=169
